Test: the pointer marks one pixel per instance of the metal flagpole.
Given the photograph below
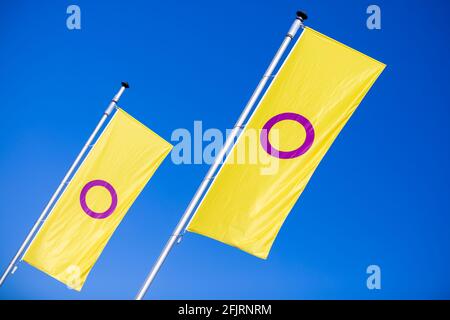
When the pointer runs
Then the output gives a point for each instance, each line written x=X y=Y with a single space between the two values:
x=177 y=233
x=12 y=265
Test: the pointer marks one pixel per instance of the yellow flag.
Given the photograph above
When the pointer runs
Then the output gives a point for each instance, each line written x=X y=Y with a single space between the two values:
x=313 y=95
x=97 y=198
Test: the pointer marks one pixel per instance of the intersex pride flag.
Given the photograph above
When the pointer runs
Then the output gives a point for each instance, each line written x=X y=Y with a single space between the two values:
x=97 y=198
x=315 y=92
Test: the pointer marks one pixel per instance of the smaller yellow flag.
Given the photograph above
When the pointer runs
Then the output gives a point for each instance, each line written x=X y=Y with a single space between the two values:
x=99 y=195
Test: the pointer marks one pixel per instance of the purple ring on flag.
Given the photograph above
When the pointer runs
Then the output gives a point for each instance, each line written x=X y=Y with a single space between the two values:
x=92 y=213
x=309 y=139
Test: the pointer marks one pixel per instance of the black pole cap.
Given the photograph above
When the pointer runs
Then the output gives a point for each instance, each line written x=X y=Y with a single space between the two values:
x=125 y=84
x=302 y=15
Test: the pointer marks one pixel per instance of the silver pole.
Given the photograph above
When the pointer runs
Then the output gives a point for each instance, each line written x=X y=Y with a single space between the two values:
x=177 y=233
x=12 y=265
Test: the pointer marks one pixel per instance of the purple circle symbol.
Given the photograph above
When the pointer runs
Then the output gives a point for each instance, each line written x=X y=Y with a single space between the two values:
x=112 y=192
x=309 y=139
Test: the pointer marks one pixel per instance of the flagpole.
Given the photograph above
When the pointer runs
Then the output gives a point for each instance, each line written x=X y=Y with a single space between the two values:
x=177 y=233
x=12 y=265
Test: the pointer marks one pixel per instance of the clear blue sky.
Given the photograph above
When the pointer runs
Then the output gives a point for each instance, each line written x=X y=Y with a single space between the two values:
x=380 y=196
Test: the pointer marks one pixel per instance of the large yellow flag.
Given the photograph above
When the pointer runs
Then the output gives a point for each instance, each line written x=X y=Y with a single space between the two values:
x=97 y=198
x=313 y=95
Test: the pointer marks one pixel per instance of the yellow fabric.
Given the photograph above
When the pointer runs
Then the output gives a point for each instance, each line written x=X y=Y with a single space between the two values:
x=322 y=80
x=70 y=241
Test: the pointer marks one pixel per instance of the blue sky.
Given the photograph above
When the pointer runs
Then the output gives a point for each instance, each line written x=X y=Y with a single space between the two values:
x=380 y=196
